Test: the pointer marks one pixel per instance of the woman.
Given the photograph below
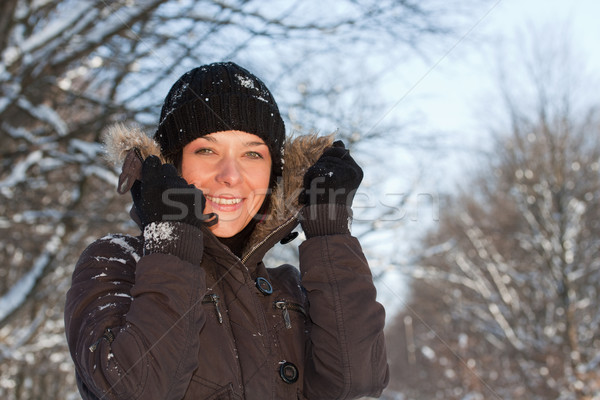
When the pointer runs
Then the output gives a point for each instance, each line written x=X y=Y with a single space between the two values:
x=188 y=310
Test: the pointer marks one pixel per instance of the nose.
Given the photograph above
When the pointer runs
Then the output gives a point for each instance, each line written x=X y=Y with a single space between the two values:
x=229 y=173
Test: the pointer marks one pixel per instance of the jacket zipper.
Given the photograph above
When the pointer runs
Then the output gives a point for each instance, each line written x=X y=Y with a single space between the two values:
x=259 y=244
x=214 y=298
x=270 y=235
x=285 y=306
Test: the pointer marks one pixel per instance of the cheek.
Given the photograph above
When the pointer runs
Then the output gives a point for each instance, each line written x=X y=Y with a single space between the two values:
x=193 y=171
x=190 y=176
x=260 y=181
x=260 y=187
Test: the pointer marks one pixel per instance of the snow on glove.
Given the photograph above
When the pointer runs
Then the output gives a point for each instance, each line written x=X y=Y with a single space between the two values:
x=162 y=195
x=329 y=188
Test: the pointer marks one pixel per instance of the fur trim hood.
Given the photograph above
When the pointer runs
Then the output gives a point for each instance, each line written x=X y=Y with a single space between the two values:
x=127 y=146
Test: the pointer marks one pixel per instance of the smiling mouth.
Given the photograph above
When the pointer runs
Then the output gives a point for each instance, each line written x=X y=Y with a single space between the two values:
x=224 y=201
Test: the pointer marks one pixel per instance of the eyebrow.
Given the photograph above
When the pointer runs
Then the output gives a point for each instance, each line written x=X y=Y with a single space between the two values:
x=251 y=144
x=247 y=144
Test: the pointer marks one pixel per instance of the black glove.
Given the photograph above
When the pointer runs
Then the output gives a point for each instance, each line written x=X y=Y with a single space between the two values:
x=329 y=188
x=334 y=178
x=163 y=195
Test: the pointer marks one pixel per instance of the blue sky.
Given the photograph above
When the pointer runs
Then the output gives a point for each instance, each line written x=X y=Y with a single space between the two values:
x=448 y=91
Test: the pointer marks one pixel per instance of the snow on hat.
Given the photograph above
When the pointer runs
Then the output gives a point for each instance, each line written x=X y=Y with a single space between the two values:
x=220 y=97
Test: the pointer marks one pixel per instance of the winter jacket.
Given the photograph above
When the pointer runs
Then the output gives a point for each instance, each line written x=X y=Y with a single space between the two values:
x=187 y=319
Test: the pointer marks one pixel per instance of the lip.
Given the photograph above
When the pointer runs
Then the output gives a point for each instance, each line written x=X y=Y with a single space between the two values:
x=225 y=203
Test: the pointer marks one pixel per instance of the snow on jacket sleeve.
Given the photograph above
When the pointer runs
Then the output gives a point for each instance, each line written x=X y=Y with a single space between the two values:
x=132 y=321
x=346 y=356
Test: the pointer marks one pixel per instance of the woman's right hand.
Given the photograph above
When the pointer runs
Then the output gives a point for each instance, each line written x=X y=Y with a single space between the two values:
x=163 y=196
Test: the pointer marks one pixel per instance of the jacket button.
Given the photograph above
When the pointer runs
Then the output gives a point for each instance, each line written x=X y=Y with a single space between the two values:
x=289 y=238
x=264 y=286
x=288 y=372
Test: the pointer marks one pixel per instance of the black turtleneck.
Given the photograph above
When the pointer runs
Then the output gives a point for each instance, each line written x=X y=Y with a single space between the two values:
x=237 y=242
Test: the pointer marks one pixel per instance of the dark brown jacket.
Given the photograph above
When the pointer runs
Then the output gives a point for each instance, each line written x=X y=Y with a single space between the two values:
x=196 y=322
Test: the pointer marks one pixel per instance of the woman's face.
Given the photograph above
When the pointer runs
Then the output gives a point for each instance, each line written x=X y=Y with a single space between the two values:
x=232 y=168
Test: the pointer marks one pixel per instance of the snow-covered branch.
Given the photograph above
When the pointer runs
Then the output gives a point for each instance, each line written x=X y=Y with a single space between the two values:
x=21 y=290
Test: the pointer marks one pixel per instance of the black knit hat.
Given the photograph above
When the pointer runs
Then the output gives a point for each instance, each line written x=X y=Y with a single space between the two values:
x=220 y=97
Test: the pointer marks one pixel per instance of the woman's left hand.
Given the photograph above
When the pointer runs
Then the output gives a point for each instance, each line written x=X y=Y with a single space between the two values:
x=334 y=178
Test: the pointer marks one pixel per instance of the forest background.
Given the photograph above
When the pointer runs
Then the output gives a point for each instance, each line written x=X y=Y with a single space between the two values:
x=479 y=138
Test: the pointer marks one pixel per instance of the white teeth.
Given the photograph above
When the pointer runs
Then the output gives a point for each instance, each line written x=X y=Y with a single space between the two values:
x=223 y=201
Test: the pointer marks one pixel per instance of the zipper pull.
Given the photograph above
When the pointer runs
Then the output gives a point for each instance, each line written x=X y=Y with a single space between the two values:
x=282 y=305
x=108 y=335
x=214 y=298
x=94 y=346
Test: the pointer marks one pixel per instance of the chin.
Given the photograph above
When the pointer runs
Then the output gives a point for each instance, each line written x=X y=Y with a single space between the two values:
x=225 y=231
